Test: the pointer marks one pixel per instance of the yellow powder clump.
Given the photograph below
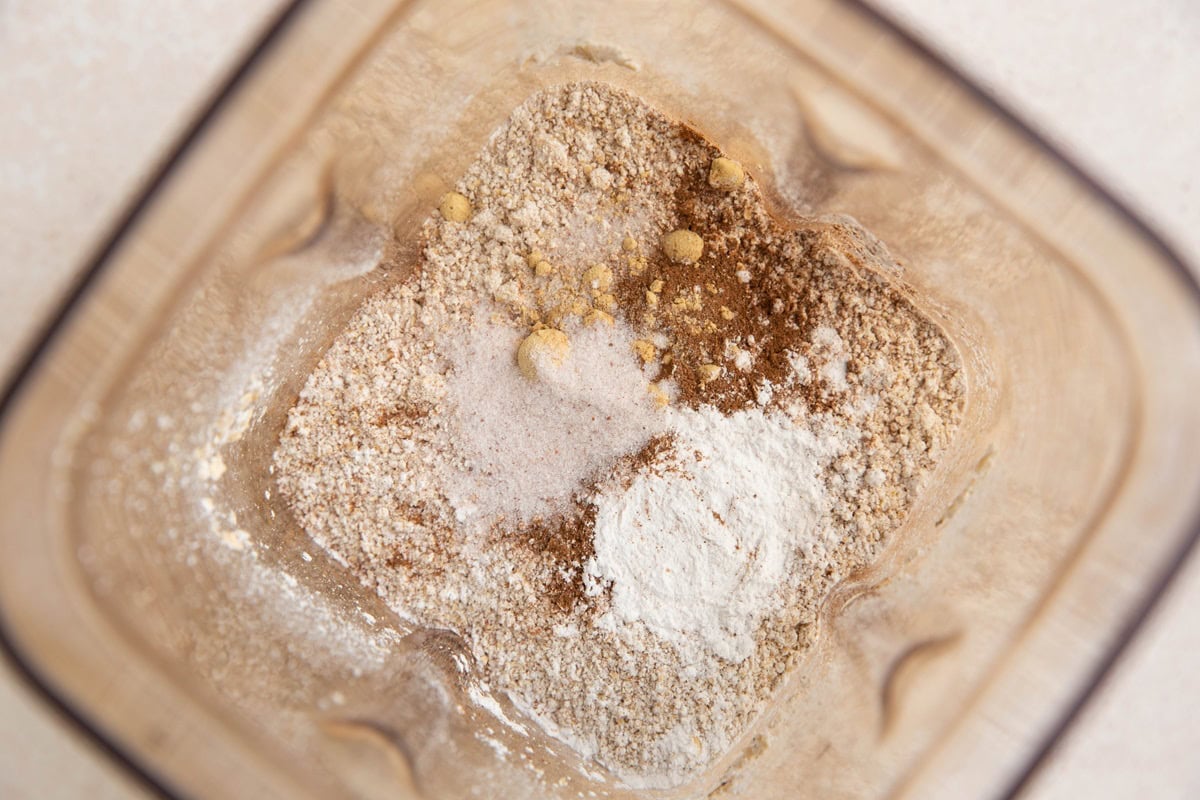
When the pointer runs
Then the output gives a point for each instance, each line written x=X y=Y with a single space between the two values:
x=595 y=317
x=598 y=278
x=644 y=349
x=543 y=350
x=455 y=207
x=725 y=174
x=683 y=246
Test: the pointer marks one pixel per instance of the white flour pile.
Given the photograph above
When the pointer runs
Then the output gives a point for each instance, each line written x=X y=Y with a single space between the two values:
x=697 y=548
x=621 y=431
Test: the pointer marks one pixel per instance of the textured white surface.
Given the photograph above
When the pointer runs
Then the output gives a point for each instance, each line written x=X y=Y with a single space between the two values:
x=93 y=93
x=1117 y=86
x=1114 y=84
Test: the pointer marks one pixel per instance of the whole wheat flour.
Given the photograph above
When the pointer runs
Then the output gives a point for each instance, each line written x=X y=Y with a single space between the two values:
x=621 y=430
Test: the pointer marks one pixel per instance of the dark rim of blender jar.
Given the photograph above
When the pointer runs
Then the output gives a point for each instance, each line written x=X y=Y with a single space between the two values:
x=27 y=671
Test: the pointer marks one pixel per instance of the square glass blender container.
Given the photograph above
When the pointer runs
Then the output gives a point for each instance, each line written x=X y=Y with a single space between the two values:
x=156 y=586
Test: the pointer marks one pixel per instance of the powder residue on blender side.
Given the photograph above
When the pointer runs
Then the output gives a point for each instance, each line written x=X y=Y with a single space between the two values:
x=622 y=431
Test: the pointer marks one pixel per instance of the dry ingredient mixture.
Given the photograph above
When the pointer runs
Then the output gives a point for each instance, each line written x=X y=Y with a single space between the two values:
x=621 y=430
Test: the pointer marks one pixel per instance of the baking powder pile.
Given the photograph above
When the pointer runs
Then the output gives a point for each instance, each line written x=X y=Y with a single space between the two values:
x=621 y=430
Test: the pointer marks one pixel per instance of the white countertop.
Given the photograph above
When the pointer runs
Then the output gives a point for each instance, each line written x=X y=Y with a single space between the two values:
x=93 y=93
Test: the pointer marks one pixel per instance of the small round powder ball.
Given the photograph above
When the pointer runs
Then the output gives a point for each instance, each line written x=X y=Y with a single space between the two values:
x=455 y=207
x=542 y=351
x=683 y=247
x=725 y=174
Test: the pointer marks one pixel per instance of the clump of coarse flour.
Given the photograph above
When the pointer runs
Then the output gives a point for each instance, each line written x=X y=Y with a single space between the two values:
x=621 y=430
